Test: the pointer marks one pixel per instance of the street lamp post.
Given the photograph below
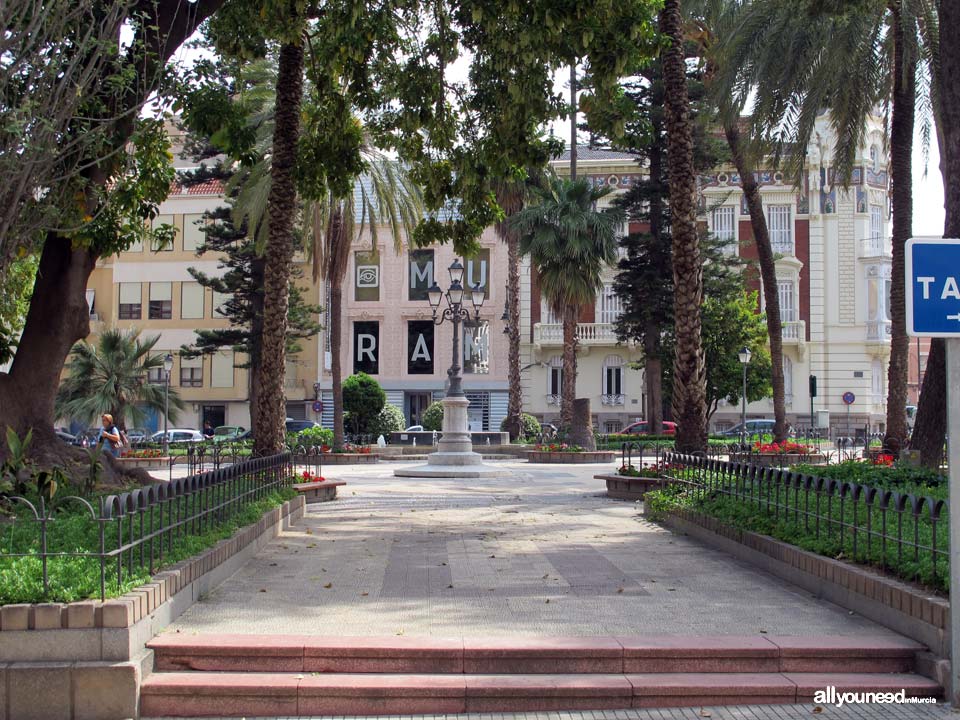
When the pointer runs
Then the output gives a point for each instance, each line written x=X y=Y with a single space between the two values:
x=744 y=356
x=454 y=456
x=167 y=368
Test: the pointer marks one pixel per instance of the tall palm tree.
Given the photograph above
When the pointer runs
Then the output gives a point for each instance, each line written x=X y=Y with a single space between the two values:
x=569 y=242
x=710 y=21
x=510 y=198
x=849 y=59
x=111 y=377
x=385 y=195
x=281 y=212
x=689 y=370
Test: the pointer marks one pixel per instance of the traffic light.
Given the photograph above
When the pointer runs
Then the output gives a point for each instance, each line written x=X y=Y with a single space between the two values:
x=813 y=386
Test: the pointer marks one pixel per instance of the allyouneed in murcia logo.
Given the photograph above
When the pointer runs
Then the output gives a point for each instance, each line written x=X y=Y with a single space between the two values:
x=830 y=696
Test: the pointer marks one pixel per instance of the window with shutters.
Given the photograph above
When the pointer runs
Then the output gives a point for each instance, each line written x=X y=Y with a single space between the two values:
x=191 y=300
x=193 y=234
x=780 y=226
x=221 y=369
x=158 y=245
x=609 y=306
x=130 y=306
x=161 y=301
x=724 y=227
x=788 y=303
x=219 y=300
x=788 y=379
x=613 y=393
x=191 y=372
x=547 y=316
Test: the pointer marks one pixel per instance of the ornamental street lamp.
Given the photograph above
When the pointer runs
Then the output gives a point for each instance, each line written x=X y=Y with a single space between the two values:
x=454 y=456
x=167 y=368
x=744 y=356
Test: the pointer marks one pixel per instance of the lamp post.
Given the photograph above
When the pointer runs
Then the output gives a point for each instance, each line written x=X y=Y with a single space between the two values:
x=454 y=456
x=744 y=356
x=167 y=368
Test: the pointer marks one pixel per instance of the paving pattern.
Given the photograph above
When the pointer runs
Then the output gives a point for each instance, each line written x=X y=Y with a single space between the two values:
x=539 y=552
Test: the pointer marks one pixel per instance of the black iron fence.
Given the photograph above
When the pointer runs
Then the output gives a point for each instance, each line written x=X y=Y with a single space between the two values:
x=903 y=532
x=138 y=530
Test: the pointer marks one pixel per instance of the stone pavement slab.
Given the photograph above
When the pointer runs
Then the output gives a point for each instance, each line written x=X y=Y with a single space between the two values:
x=540 y=551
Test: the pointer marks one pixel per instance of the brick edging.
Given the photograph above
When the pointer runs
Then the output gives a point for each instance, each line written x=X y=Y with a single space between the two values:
x=128 y=609
x=901 y=606
x=571 y=458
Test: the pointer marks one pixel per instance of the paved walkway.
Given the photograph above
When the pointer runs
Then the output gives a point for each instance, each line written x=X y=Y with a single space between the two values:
x=539 y=552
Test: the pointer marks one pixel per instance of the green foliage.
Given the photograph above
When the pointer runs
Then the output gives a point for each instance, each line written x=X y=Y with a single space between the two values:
x=363 y=398
x=432 y=418
x=17 y=470
x=900 y=477
x=390 y=419
x=16 y=287
x=75 y=578
x=313 y=437
x=529 y=426
x=657 y=503
x=111 y=377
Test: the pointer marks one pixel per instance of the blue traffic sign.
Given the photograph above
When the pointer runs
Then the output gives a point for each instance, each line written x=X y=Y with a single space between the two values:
x=933 y=287
x=849 y=398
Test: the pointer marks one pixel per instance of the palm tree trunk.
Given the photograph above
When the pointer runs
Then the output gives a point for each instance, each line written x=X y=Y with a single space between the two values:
x=931 y=425
x=652 y=333
x=511 y=201
x=901 y=162
x=568 y=388
x=336 y=368
x=768 y=273
x=282 y=208
x=689 y=371
x=257 y=265
x=653 y=380
x=573 y=121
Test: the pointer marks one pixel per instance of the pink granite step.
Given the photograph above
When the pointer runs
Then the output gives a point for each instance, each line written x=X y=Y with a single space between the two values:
x=532 y=655
x=198 y=694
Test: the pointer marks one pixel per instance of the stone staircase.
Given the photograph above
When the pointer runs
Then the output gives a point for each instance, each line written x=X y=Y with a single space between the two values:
x=267 y=675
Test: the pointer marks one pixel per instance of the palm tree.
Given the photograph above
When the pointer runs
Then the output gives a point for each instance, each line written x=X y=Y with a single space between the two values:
x=510 y=198
x=385 y=195
x=281 y=212
x=849 y=60
x=569 y=242
x=690 y=377
x=111 y=377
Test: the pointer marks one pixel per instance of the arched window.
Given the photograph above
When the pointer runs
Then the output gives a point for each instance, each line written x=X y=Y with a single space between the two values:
x=613 y=386
x=874 y=159
x=554 y=380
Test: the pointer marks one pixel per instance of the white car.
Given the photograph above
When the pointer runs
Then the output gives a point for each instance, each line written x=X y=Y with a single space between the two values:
x=178 y=435
x=414 y=428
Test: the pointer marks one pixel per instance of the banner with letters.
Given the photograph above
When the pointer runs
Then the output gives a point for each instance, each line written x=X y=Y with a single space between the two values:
x=420 y=347
x=366 y=347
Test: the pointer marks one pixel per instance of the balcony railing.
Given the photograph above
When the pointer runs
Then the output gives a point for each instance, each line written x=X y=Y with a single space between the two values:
x=794 y=332
x=782 y=246
x=587 y=334
x=613 y=399
x=873 y=247
x=878 y=330
x=553 y=399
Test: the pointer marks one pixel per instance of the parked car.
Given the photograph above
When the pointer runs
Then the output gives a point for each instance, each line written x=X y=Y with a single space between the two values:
x=178 y=435
x=640 y=428
x=137 y=436
x=753 y=427
x=65 y=436
x=295 y=426
x=414 y=428
x=227 y=433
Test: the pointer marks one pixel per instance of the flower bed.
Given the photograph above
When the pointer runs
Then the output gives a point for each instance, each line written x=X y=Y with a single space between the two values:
x=344 y=458
x=780 y=454
x=568 y=454
x=149 y=462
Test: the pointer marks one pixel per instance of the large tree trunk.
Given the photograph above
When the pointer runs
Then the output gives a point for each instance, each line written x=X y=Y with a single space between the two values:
x=511 y=202
x=257 y=267
x=568 y=388
x=573 y=121
x=336 y=366
x=901 y=152
x=931 y=425
x=768 y=273
x=281 y=209
x=653 y=380
x=689 y=371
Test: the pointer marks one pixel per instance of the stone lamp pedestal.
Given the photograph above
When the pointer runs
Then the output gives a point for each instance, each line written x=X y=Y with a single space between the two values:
x=455 y=457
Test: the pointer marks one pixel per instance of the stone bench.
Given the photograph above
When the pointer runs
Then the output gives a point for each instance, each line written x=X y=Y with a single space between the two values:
x=317 y=492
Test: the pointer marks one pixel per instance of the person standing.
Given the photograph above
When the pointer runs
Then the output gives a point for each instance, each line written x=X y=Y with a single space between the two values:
x=109 y=438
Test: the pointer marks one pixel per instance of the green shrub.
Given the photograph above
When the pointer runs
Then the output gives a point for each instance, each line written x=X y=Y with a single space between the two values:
x=432 y=418
x=529 y=426
x=314 y=437
x=363 y=398
x=389 y=420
